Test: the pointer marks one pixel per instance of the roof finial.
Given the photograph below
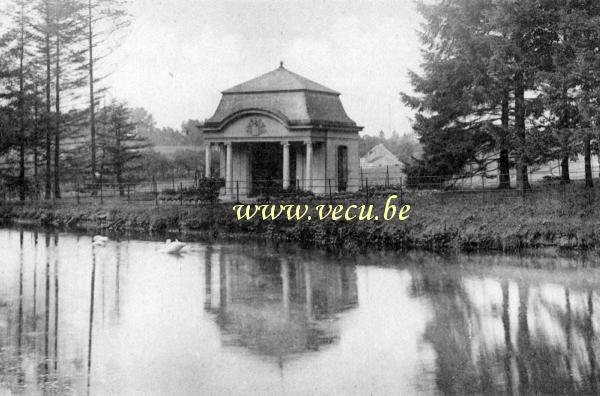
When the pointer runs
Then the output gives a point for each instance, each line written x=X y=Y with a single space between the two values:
x=281 y=64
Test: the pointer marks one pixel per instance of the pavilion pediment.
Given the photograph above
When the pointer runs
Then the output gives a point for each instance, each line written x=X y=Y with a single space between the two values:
x=254 y=126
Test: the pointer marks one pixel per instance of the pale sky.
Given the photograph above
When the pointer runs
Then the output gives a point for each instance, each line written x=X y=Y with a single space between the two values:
x=180 y=54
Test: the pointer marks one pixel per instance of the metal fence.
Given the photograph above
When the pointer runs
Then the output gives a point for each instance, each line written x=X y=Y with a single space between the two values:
x=371 y=185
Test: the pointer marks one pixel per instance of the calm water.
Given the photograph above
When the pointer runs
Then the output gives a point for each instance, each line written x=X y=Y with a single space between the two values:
x=246 y=319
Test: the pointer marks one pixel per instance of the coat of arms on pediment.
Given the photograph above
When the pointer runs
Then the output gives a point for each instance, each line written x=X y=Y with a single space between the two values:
x=256 y=127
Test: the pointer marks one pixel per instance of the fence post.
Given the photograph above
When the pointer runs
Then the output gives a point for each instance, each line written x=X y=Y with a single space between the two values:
x=367 y=188
x=128 y=196
x=101 y=193
x=77 y=193
x=387 y=176
x=237 y=191
x=180 y=193
x=330 y=196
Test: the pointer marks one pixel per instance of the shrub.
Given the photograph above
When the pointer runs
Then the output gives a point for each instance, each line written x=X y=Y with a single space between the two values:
x=205 y=190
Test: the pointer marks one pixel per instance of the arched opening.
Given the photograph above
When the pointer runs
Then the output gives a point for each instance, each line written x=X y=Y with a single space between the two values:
x=342 y=168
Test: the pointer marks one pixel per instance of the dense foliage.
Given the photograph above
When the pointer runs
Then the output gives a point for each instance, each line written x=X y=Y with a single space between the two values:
x=55 y=124
x=506 y=83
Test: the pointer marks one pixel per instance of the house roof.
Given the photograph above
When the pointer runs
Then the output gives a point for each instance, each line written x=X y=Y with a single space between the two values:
x=381 y=154
x=280 y=79
x=292 y=98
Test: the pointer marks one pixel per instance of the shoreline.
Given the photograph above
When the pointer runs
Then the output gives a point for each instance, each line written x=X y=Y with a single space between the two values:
x=458 y=225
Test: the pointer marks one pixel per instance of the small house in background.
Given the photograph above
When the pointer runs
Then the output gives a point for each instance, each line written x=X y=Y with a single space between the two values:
x=282 y=131
x=380 y=167
x=379 y=156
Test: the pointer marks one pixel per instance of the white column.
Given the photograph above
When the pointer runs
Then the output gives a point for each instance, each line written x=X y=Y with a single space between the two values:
x=309 y=157
x=286 y=165
x=221 y=161
x=207 y=159
x=229 y=169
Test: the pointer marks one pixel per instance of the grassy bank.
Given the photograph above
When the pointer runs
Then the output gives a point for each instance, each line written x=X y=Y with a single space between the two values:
x=498 y=223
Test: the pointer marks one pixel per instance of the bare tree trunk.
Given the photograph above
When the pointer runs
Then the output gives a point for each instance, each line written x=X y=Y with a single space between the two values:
x=503 y=160
x=118 y=161
x=57 y=115
x=587 y=152
x=35 y=141
x=21 y=106
x=564 y=170
x=564 y=124
x=48 y=123
x=520 y=127
x=92 y=95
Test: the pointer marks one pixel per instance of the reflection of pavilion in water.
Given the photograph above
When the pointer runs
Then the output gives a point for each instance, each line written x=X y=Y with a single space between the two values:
x=276 y=306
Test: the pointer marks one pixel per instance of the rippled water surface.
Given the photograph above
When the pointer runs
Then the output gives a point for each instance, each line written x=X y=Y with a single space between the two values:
x=247 y=319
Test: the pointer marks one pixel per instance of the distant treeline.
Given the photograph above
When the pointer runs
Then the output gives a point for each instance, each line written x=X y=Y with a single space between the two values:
x=507 y=84
x=188 y=135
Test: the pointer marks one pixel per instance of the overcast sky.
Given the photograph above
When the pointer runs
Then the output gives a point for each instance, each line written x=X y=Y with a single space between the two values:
x=180 y=54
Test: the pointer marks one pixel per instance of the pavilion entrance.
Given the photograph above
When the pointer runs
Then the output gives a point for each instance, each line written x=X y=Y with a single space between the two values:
x=266 y=168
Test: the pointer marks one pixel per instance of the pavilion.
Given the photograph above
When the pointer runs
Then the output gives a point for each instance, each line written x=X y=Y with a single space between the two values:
x=285 y=131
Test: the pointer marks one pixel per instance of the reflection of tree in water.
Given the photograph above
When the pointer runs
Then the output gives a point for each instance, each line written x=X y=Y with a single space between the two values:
x=29 y=349
x=451 y=332
x=276 y=306
x=550 y=348
x=35 y=339
x=569 y=368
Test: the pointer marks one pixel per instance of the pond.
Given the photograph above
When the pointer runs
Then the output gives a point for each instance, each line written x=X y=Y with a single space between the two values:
x=247 y=319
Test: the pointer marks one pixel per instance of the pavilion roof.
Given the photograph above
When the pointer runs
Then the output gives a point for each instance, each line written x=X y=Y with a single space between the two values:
x=291 y=97
x=280 y=79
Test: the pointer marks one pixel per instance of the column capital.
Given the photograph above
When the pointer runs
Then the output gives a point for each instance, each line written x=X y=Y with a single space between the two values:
x=228 y=144
x=285 y=143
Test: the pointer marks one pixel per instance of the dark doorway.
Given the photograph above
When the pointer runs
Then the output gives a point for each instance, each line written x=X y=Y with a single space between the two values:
x=266 y=165
x=342 y=168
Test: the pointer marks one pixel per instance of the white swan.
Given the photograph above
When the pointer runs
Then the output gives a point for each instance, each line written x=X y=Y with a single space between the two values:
x=100 y=238
x=173 y=247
